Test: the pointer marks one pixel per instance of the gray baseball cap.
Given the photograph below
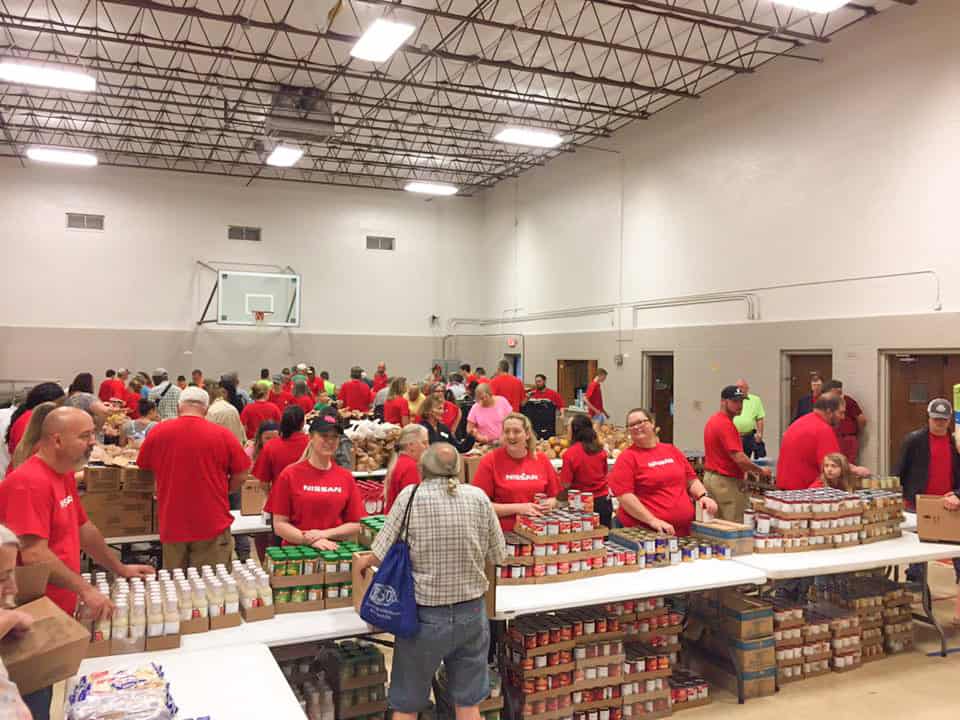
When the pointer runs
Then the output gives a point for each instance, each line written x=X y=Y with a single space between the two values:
x=940 y=408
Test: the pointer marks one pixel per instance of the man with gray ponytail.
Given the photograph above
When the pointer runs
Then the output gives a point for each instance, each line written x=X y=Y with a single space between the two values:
x=453 y=533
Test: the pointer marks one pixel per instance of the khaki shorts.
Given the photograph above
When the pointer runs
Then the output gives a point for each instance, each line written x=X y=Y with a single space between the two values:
x=199 y=552
x=731 y=499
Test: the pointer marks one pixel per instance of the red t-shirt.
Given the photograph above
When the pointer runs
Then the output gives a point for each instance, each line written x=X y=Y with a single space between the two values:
x=277 y=454
x=509 y=387
x=132 y=400
x=305 y=402
x=506 y=480
x=548 y=394
x=316 y=499
x=287 y=387
x=395 y=409
x=405 y=473
x=35 y=500
x=470 y=378
x=940 y=472
x=111 y=388
x=583 y=471
x=380 y=381
x=595 y=396
x=804 y=445
x=192 y=459
x=280 y=399
x=17 y=430
x=450 y=411
x=848 y=426
x=659 y=477
x=254 y=414
x=720 y=440
x=355 y=395
x=315 y=385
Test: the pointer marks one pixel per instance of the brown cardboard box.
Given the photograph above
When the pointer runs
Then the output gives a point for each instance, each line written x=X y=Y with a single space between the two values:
x=265 y=612
x=225 y=621
x=50 y=652
x=164 y=642
x=194 y=625
x=746 y=618
x=470 y=463
x=101 y=478
x=934 y=522
x=31 y=582
x=361 y=581
x=120 y=513
x=98 y=648
x=127 y=646
x=133 y=479
x=253 y=496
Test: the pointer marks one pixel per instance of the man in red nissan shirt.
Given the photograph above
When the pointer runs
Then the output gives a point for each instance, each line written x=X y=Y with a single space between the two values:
x=355 y=394
x=380 y=379
x=278 y=396
x=258 y=412
x=594 y=398
x=39 y=502
x=726 y=462
x=807 y=441
x=853 y=423
x=542 y=392
x=196 y=464
x=507 y=386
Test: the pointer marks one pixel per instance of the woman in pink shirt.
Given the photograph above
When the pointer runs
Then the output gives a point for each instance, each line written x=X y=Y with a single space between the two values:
x=485 y=420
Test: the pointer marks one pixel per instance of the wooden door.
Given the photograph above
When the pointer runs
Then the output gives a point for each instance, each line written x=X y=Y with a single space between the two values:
x=915 y=380
x=801 y=368
x=661 y=394
x=573 y=375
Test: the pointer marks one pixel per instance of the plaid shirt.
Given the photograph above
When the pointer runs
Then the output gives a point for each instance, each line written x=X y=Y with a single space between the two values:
x=451 y=539
x=167 y=406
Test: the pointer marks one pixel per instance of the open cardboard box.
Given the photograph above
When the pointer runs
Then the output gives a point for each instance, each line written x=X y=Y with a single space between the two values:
x=31 y=582
x=934 y=522
x=253 y=497
x=49 y=652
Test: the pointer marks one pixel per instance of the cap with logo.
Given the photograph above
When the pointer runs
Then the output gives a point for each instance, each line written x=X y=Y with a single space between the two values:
x=325 y=424
x=732 y=392
x=940 y=408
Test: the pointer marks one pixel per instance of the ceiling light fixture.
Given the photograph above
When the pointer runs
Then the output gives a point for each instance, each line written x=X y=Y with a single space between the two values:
x=528 y=136
x=284 y=156
x=13 y=71
x=61 y=156
x=428 y=188
x=381 y=40
x=817 y=6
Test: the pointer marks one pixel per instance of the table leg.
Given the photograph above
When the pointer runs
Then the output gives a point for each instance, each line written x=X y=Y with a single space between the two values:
x=739 y=673
x=927 y=605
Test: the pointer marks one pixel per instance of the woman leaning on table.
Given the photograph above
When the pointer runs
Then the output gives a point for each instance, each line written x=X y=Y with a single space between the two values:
x=654 y=482
x=514 y=473
x=315 y=501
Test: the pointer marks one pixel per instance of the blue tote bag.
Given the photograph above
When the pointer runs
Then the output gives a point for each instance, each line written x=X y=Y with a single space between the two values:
x=391 y=603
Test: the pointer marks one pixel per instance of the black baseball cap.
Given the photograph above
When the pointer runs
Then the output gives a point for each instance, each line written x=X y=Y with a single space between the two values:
x=325 y=424
x=732 y=392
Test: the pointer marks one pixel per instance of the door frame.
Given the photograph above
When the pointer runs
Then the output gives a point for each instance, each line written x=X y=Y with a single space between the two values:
x=786 y=411
x=646 y=374
x=883 y=394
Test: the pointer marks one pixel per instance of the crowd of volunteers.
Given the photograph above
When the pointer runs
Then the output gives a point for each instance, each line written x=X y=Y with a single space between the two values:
x=202 y=439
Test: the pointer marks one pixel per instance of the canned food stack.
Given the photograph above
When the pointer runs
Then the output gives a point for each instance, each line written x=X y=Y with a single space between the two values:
x=357 y=673
x=800 y=520
x=866 y=600
x=882 y=515
x=688 y=690
x=658 y=550
x=789 y=642
x=845 y=640
x=309 y=685
x=898 y=618
x=304 y=579
x=561 y=545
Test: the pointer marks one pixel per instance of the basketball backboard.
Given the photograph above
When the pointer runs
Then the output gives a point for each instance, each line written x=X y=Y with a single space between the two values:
x=240 y=295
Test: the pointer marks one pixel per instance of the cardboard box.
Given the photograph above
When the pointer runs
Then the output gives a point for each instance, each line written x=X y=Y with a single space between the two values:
x=470 y=463
x=225 y=621
x=51 y=651
x=101 y=478
x=755 y=655
x=194 y=625
x=736 y=536
x=745 y=618
x=31 y=582
x=126 y=646
x=133 y=479
x=120 y=513
x=361 y=581
x=308 y=606
x=98 y=648
x=253 y=496
x=164 y=642
x=934 y=522
x=256 y=614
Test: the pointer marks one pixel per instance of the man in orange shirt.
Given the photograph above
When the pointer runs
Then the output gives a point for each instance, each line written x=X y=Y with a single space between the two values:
x=506 y=385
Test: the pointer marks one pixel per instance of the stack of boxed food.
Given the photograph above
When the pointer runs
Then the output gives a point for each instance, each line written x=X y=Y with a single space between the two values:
x=799 y=520
x=882 y=514
x=357 y=673
x=898 y=617
x=688 y=690
x=310 y=687
x=305 y=579
x=726 y=538
x=118 y=500
x=658 y=550
x=845 y=640
x=790 y=644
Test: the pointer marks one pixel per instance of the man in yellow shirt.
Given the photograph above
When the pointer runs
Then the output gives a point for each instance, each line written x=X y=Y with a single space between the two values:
x=750 y=420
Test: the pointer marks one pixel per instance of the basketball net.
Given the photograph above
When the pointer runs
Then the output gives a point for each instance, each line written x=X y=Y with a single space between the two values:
x=259 y=317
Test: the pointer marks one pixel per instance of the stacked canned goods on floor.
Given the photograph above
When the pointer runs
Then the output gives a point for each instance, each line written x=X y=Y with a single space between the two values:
x=884 y=607
x=688 y=690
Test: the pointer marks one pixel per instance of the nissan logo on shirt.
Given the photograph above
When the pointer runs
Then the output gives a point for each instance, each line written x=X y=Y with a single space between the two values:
x=658 y=463
x=65 y=503
x=322 y=488
x=521 y=476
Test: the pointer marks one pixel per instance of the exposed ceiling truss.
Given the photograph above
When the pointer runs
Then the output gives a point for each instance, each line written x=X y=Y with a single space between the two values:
x=186 y=85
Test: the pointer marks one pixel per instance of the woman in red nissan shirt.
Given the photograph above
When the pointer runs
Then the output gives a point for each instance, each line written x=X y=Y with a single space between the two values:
x=315 y=501
x=302 y=397
x=258 y=412
x=397 y=410
x=403 y=470
x=654 y=482
x=284 y=450
x=44 y=392
x=585 y=466
x=514 y=473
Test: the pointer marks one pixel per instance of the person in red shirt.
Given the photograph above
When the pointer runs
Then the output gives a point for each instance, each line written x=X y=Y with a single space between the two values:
x=542 y=392
x=397 y=410
x=506 y=385
x=196 y=379
x=468 y=377
x=725 y=462
x=111 y=387
x=258 y=411
x=403 y=469
x=41 y=393
x=315 y=501
x=278 y=396
x=807 y=441
x=355 y=394
x=380 y=379
x=594 y=397
x=132 y=398
x=302 y=397
x=313 y=382
x=39 y=503
x=282 y=451
x=585 y=467
x=853 y=422
x=515 y=472
x=654 y=482
x=196 y=464
x=480 y=378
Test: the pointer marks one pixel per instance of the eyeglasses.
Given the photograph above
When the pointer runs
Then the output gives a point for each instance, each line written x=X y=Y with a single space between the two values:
x=636 y=425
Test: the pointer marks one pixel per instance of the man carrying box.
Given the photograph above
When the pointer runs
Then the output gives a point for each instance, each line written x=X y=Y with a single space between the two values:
x=39 y=502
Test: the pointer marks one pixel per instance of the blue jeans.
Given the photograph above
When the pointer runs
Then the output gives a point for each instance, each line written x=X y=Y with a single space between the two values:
x=913 y=572
x=749 y=441
x=38 y=702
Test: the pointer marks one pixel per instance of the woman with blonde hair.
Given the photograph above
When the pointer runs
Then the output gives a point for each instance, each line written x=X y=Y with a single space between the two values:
x=397 y=410
x=515 y=473
x=28 y=444
x=835 y=472
x=402 y=469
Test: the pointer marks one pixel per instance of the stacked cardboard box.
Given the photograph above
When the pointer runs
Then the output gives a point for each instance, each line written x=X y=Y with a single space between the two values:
x=304 y=579
x=357 y=673
x=884 y=609
x=882 y=515
x=119 y=512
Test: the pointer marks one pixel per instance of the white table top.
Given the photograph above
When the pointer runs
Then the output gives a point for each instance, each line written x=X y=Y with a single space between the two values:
x=513 y=600
x=382 y=473
x=210 y=682
x=242 y=525
x=909 y=521
x=899 y=551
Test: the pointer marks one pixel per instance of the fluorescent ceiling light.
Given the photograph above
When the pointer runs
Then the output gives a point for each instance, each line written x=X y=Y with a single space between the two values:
x=817 y=6
x=429 y=188
x=528 y=136
x=27 y=74
x=61 y=156
x=381 y=40
x=284 y=156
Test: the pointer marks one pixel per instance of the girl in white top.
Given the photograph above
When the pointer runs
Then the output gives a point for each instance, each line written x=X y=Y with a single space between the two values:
x=11 y=622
